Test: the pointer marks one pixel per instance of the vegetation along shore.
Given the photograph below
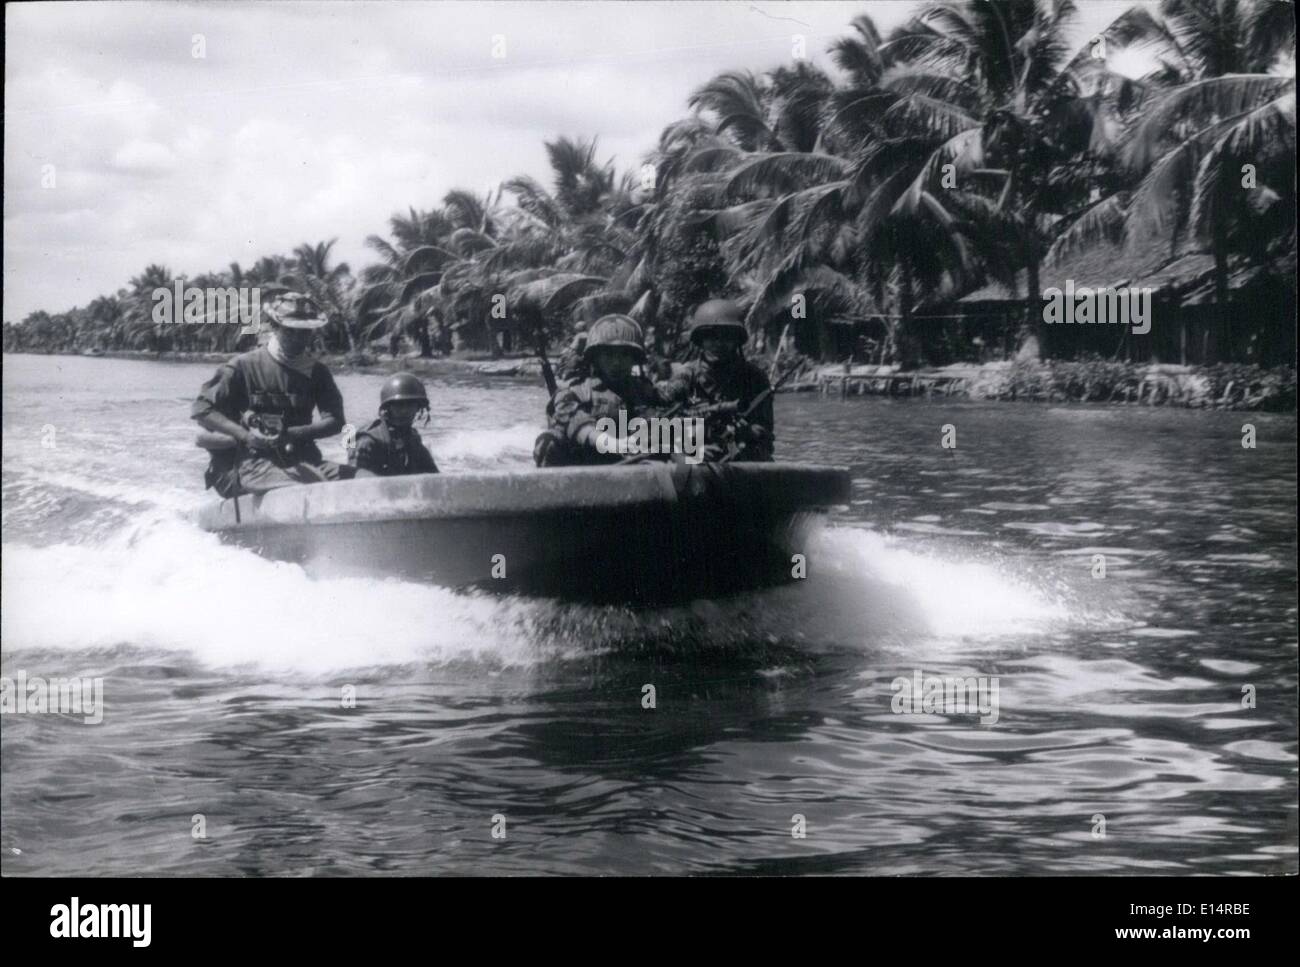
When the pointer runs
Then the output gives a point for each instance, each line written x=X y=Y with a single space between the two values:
x=907 y=221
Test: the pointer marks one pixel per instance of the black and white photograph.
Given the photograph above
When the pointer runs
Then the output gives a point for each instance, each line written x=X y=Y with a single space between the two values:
x=649 y=439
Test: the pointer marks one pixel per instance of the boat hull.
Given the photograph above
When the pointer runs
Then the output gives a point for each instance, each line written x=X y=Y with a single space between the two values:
x=638 y=534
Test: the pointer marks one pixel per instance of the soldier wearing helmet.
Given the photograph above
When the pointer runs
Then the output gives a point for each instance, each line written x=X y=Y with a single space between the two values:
x=721 y=375
x=613 y=352
x=265 y=402
x=390 y=446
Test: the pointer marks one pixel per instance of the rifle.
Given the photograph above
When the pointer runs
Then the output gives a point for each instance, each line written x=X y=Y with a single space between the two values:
x=758 y=401
x=548 y=374
x=721 y=411
x=667 y=414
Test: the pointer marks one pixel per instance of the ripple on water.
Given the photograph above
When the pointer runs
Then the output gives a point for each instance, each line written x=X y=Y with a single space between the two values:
x=1116 y=696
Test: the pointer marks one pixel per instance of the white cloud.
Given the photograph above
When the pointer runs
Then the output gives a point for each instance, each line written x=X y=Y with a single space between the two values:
x=144 y=157
x=310 y=121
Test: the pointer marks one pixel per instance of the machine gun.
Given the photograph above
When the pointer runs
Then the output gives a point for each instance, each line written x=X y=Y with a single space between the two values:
x=730 y=422
x=723 y=420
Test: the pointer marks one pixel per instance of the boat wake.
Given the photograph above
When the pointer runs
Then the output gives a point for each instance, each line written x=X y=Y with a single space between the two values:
x=163 y=585
x=489 y=449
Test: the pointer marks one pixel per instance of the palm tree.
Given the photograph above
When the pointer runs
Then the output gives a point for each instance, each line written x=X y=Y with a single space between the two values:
x=1221 y=110
x=329 y=286
x=402 y=293
x=141 y=332
x=582 y=226
x=747 y=167
x=1016 y=111
x=819 y=191
x=107 y=315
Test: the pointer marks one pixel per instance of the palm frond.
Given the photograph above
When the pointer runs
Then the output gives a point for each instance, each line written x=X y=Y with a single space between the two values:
x=1100 y=224
x=783 y=172
x=1199 y=103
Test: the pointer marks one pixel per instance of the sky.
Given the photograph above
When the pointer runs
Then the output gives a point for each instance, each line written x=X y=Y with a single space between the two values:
x=306 y=121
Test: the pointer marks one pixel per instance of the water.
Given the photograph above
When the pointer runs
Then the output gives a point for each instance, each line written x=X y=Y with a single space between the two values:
x=223 y=672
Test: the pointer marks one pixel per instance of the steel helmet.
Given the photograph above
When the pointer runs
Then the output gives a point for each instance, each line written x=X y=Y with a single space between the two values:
x=615 y=330
x=402 y=386
x=293 y=310
x=717 y=315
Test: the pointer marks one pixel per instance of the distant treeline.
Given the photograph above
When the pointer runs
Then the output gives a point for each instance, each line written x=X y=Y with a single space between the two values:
x=971 y=145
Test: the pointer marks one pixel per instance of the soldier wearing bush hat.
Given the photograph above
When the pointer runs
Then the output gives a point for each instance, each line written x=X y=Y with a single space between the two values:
x=261 y=407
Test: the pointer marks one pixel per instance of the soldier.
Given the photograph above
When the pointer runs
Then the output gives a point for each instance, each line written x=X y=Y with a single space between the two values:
x=391 y=446
x=572 y=366
x=723 y=379
x=264 y=401
x=613 y=349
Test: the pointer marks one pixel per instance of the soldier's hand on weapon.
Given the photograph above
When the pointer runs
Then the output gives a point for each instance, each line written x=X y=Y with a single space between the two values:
x=260 y=442
x=752 y=433
x=717 y=412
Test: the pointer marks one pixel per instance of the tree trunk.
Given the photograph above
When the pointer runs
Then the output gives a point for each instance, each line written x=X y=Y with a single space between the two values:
x=1035 y=324
x=422 y=335
x=910 y=352
x=347 y=331
x=1221 y=290
x=493 y=346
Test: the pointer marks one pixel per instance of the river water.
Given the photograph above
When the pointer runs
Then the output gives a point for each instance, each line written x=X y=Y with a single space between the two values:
x=1125 y=739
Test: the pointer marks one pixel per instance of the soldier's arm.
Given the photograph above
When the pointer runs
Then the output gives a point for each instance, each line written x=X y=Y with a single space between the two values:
x=219 y=402
x=329 y=404
x=365 y=455
x=675 y=389
x=573 y=418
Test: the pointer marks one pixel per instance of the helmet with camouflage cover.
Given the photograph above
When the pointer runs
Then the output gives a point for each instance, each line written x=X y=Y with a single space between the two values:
x=615 y=330
x=293 y=310
x=717 y=317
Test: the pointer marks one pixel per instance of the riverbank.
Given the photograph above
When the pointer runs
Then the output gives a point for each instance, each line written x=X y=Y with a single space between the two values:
x=1222 y=386
x=362 y=362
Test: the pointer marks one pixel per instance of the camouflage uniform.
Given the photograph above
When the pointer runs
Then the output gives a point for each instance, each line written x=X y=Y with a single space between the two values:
x=583 y=403
x=699 y=384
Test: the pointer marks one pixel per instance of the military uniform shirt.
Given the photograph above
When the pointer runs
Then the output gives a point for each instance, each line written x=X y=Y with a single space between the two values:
x=389 y=453
x=743 y=382
x=256 y=381
x=592 y=399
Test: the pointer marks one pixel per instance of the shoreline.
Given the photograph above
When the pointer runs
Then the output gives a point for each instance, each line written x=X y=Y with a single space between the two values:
x=1223 y=386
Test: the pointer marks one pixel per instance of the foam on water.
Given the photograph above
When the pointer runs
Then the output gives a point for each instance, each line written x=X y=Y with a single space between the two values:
x=478 y=449
x=164 y=585
x=939 y=595
x=159 y=583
